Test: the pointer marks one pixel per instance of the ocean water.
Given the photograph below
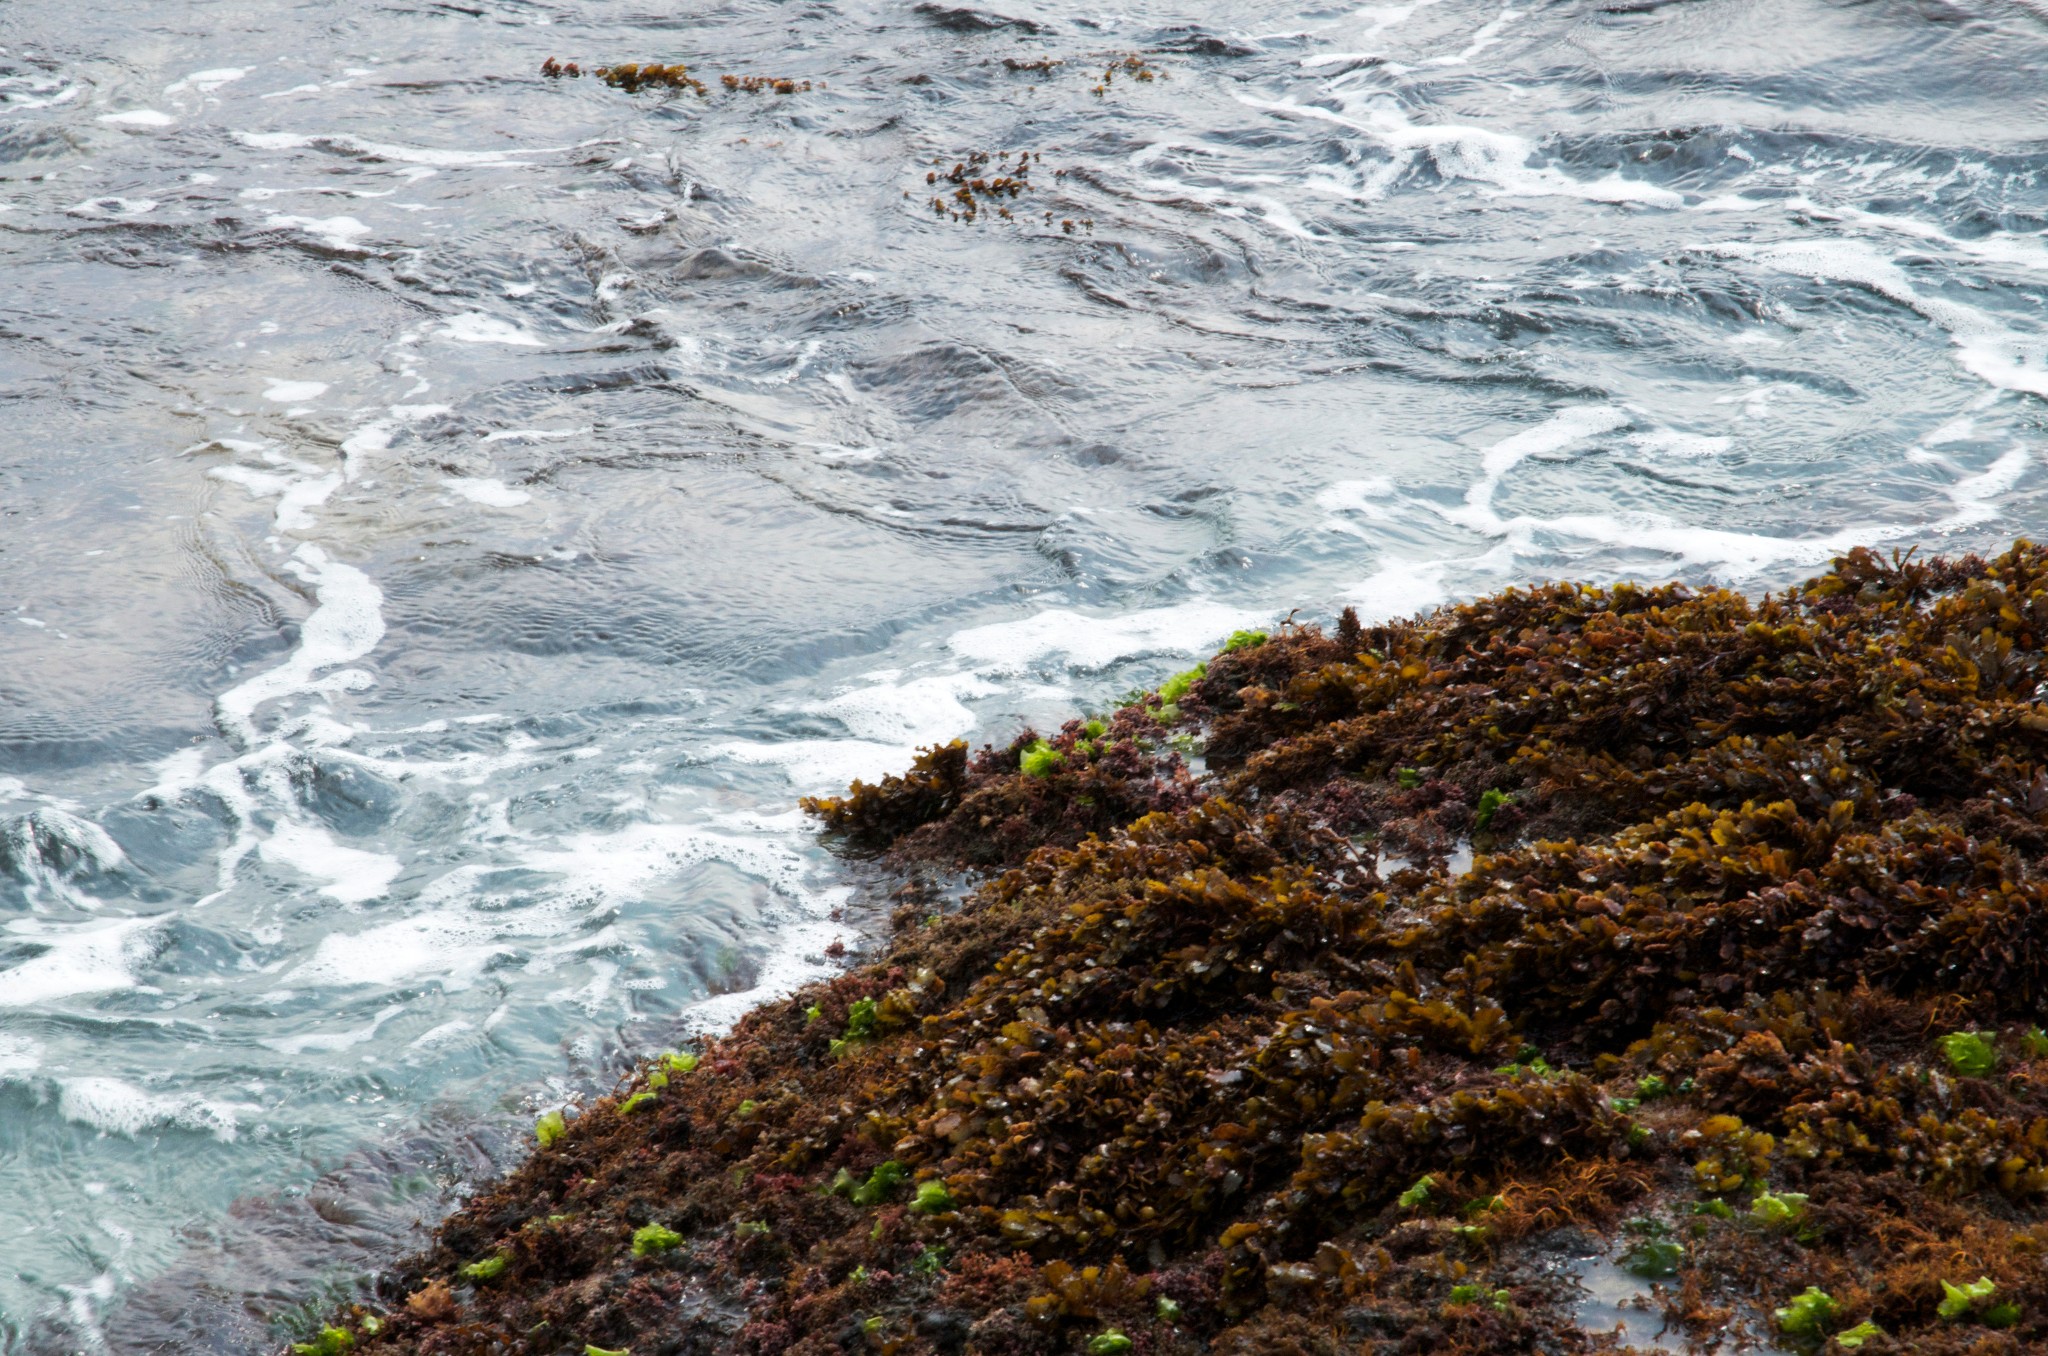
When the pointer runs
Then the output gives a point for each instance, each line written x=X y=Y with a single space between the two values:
x=449 y=515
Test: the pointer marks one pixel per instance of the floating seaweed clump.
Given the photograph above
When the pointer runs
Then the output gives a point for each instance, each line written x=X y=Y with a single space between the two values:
x=764 y=84
x=633 y=77
x=981 y=181
x=1134 y=67
x=1743 y=977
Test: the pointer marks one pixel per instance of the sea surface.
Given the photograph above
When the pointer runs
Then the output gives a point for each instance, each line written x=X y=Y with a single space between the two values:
x=448 y=515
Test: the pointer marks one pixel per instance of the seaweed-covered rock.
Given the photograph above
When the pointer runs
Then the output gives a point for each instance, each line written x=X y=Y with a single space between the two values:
x=1742 y=974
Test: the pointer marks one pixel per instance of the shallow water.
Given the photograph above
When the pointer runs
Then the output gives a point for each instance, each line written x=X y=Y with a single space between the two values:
x=450 y=514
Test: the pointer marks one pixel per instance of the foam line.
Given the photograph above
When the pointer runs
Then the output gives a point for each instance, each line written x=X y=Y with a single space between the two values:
x=1993 y=353
x=1573 y=424
x=1476 y=154
x=2028 y=251
x=328 y=1042
x=453 y=942
x=139 y=117
x=1087 y=642
x=346 y=624
x=382 y=150
x=117 y=1108
x=1729 y=553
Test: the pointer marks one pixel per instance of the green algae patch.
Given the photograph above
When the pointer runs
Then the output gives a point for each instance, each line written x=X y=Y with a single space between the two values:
x=1490 y=801
x=330 y=1341
x=1417 y=1195
x=1978 y=1300
x=1653 y=1258
x=1039 y=759
x=1809 y=1316
x=1973 y=1054
x=652 y=1239
x=489 y=1269
x=1783 y=1212
x=1178 y=686
x=881 y=1183
x=1740 y=985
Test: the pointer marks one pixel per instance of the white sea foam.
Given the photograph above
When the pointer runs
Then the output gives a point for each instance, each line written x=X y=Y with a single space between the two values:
x=345 y=626
x=888 y=723
x=206 y=82
x=1399 y=588
x=533 y=434
x=1962 y=428
x=298 y=490
x=379 y=150
x=113 y=207
x=1992 y=352
x=1487 y=35
x=796 y=960
x=1671 y=442
x=18 y=1055
x=821 y=764
x=63 y=96
x=138 y=117
x=598 y=870
x=348 y=874
x=451 y=945
x=1084 y=641
x=295 y=506
x=1976 y=497
x=48 y=831
x=339 y=233
x=1570 y=425
x=78 y=958
x=475 y=327
x=441 y=1034
x=1475 y=154
x=286 y=391
x=328 y=1042
x=1367 y=498
x=452 y=942
x=1727 y=553
x=118 y=1108
x=2028 y=251
x=923 y=710
x=176 y=773
x=1384 y=18
x=491 y=493
x=365 y=443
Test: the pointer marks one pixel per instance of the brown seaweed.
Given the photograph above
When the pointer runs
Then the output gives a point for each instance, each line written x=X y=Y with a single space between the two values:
x=1743 y=975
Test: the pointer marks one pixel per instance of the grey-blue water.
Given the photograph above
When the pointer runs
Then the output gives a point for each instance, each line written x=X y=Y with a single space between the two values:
x=447 y=516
